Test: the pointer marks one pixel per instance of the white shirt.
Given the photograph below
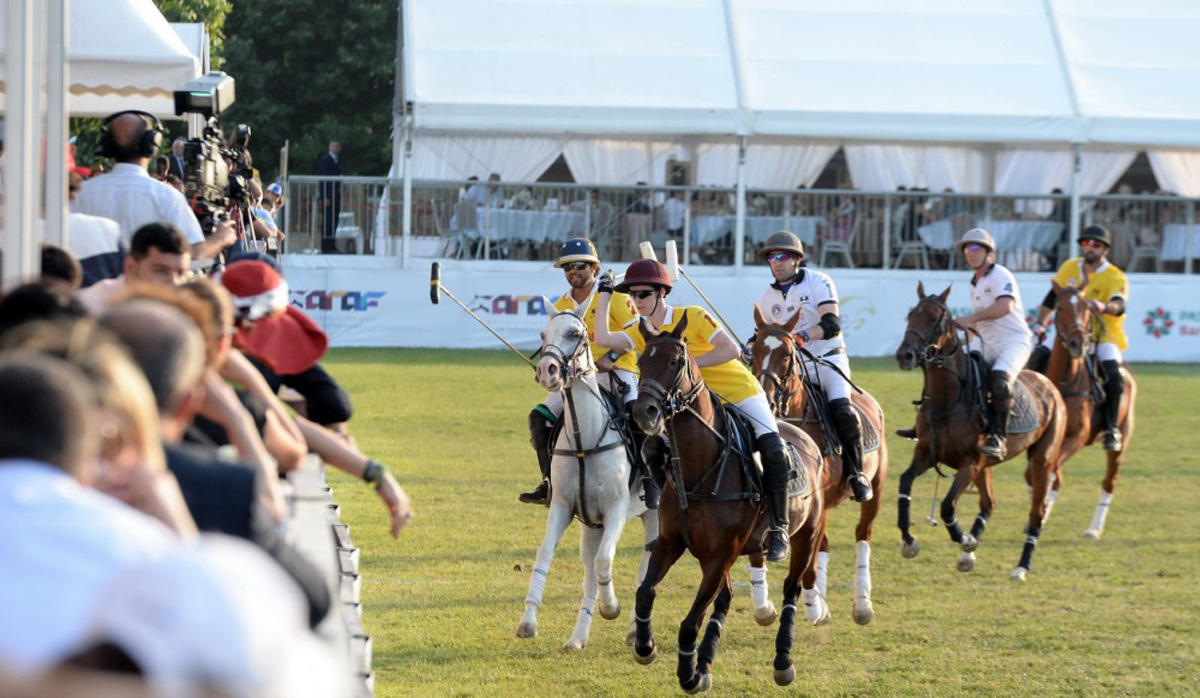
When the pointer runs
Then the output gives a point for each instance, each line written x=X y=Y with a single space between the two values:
x=61 y=546
x=811 y=290
x=132 y=198
x=999 y=283
x=674 y=209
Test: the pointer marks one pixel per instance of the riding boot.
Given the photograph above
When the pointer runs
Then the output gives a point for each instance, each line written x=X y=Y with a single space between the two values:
x=775 y=481
x=655 y=454
x=909 y=433
x=845 y=420
x=541 y=426
x=650 y=489
x=1114 y=388
x=1002 y=402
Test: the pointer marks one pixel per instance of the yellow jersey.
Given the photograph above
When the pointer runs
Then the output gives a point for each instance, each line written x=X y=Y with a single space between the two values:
x=620 y=313
x=732 y=381
x=1104 y=284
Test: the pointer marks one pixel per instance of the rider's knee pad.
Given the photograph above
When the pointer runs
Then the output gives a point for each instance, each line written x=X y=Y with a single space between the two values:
x=845 y=419
x=1001 y=392
x=541 y=424
x=1114 y=382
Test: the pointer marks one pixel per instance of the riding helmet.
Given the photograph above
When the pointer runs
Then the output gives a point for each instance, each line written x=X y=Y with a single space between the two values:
x=976 y=236
x=1096 y=232
x=576 y=250
x=783 y=241
x=645 y=272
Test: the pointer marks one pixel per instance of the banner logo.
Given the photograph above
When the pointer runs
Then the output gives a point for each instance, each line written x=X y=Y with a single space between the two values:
x=354 y=301
x=508 y=304
x=1158 y=322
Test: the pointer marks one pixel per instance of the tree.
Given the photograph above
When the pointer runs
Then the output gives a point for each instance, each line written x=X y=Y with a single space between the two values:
x=311 y=70
x=211 y=13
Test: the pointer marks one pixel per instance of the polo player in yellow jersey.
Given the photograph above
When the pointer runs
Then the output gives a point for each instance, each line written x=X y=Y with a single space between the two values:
x=618 y=371
x=648 y=283
x=1107 y=289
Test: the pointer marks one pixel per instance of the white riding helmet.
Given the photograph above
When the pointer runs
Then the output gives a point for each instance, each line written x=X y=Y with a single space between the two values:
x=976 y=236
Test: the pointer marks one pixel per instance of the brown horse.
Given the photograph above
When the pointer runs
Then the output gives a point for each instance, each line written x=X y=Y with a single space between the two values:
x=776 y=360
x=950 y=430
x=712 y=508
x=1068 y=370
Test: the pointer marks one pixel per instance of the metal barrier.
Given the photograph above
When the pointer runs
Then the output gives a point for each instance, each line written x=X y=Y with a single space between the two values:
x=840 y=227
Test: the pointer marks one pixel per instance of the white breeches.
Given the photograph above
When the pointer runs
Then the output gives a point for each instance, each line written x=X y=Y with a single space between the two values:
x=835 y=386
x=1010 y=357
x=756 y=409
x=1108 y=351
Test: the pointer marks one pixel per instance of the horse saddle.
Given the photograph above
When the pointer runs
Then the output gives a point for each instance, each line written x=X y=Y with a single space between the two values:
x=616 y=407
x=1023 y=417
x=818 y=401
x=740 y=438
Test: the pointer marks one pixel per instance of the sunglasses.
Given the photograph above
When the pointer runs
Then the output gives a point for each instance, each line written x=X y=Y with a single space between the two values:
x=1092 y=243
x=974 y=248
x=780 y=257
x=576 y=266
x=642 y=294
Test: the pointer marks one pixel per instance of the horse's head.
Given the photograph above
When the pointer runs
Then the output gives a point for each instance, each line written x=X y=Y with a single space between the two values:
x=565 y=350
x=929 y=327
x=1072 y=319
x=774 y=358
x=669 y=378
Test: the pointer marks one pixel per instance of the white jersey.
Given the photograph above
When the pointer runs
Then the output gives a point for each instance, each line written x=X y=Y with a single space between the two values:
x=1009 y=329
x=811 y=290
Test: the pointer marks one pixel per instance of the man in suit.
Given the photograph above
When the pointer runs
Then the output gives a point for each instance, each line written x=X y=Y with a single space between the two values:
x=330 y=194
x=176 y=159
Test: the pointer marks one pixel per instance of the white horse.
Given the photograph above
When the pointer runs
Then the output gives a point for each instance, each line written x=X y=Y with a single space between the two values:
x=590 y=449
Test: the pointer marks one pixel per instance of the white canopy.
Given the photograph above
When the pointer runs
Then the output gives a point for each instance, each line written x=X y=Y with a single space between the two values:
x=122 y=55
x=1106 y=72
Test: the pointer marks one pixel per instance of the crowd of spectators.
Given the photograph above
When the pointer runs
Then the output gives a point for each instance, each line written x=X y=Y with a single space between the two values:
x=143 y=449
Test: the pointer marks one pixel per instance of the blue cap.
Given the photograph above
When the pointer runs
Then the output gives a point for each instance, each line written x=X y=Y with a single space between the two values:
x=577 y=250
x=275 y=188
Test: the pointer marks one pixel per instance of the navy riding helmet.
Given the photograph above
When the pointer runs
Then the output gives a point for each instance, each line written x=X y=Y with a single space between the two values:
x=577 y=250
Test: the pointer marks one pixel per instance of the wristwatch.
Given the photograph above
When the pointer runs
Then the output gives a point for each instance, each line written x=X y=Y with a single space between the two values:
x=612 y=355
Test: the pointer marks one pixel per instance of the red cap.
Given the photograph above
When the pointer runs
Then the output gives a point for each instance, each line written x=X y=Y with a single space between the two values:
x=279 y=335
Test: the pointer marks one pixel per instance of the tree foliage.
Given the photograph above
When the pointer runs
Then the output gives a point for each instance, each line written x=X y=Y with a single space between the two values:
x=311 y=70
x=211 y=13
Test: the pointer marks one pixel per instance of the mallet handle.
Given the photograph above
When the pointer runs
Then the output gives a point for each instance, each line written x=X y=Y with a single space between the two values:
x=486 y=326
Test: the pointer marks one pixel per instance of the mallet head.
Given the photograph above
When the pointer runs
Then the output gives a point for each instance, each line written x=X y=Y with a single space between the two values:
x=435 y=282
x=672 y=263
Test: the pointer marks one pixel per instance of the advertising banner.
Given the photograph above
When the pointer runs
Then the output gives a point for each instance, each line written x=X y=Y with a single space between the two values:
x=370 y=301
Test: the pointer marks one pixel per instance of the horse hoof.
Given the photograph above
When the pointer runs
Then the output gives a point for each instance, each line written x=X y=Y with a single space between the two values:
x=645 y=659
x=783 y=677
x=910 y=550
x=969 y=543
x=574 y=645
x=864 y=611
x=610 y=614
x=527 y=630
x=1092 y=534
x=703 y=683
x=766 y=615
x=966 y=562
x=1019 y=574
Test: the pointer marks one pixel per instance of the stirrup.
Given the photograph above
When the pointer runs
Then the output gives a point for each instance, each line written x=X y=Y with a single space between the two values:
x=860 y=488
x=993 y=446
x=651 y=493
x=1112 y=440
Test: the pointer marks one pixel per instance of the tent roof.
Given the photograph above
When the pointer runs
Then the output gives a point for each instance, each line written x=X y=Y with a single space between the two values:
x=122 y=55
x=1000 y=71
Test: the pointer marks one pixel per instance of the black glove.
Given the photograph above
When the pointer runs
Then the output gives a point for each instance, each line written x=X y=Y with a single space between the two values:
x=605 y=283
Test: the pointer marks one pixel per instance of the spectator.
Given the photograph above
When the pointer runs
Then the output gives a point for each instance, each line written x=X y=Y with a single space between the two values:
x=265 y=228
x=329 y=195
x=162 y=168
x=675 y=211
x=177 y=161
x=58 y=264
x=94 y=241
x=639 y=201
x=131 y=197
x=159 y=255
x=494 y=197
x=64 y=542
x=475 y=192
x=221 y=496
x=44 y=299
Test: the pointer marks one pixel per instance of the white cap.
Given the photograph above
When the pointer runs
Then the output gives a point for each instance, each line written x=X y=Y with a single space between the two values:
x=220 y=616
x=976 y=236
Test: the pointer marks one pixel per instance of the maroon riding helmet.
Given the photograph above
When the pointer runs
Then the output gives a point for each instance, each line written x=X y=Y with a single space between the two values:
x=645 y=272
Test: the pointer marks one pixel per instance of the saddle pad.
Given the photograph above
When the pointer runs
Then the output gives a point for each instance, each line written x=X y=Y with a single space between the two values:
x=870 y=437
x=798 y=481
x=1024 y=416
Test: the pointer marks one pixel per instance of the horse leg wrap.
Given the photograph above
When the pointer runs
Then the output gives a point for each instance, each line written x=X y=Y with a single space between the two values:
x=1101 y=514
x=953 y=529
x=708 y=646
x=822 y=571
x=686 y=668
x=862 y=570
x=537 y=585
x=981 y=522
x=642 y=607
x=904 y=503
x=758 y=586
x=783 y=639
x=1031 y=540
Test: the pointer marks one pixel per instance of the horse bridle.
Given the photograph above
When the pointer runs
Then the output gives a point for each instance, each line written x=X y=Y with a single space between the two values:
x=927 y=344
x=669 y=398
x=569 y=363
x=1076 y=329
x=783 y=391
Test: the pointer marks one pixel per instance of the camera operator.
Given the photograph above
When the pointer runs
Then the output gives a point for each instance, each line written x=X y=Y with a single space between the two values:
x=130 y=196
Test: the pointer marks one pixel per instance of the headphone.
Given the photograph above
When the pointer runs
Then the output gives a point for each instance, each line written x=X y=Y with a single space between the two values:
x=152 y=139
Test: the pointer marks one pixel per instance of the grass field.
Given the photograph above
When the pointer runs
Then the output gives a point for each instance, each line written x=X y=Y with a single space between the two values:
x=1118 y=616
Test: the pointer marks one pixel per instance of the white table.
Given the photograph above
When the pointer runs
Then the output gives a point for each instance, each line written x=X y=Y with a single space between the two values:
x=1042 y=236
x=709 y=229
x=532 y=226
x=1175 y=239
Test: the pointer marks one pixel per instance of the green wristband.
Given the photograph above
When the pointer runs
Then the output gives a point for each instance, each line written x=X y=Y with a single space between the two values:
x=374 y=471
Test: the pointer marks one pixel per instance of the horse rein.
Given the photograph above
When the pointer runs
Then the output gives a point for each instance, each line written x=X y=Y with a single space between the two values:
x=928 y=350
x=785 y=389
x=668 y=397
x=569 y=364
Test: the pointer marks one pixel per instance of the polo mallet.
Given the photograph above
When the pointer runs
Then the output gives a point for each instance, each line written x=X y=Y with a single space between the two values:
x=676 y=271
x=933 y=503
x=436 y=287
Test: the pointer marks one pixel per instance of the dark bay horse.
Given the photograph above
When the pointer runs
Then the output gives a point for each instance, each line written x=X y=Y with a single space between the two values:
x=1067 y=369
x=711 y=508
x=950 y=430
x=777 y=362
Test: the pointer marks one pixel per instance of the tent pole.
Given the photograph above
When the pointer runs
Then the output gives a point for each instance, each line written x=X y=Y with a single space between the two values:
x=1076 y=185
x=687 y=225
x=57 y=37
x=406 y=216
x=739 y=226
x=19 y=161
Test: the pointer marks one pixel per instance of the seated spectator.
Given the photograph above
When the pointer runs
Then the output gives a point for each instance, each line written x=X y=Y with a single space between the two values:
x=476 y=192
x=93 y=240
x=63 y=542
x=44 y=299
x=58 y=264
x=523 y=200
x=159 y=254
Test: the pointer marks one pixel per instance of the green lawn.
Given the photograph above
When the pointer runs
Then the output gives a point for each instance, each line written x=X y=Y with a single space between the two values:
x=1111 y=617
